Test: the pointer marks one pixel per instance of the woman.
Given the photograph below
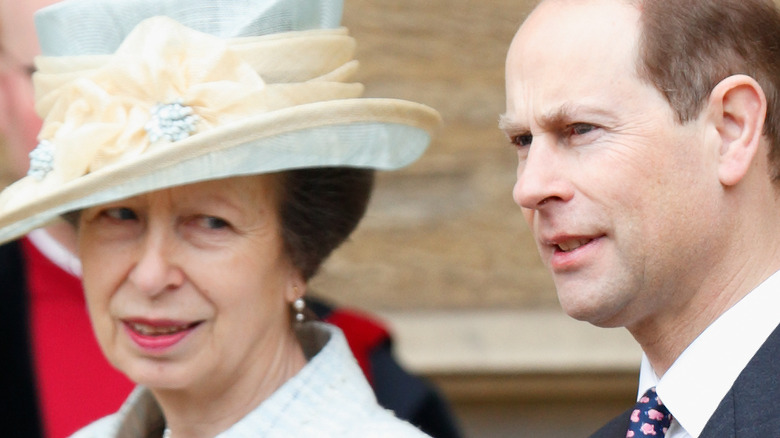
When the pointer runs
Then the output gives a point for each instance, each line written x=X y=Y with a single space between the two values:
x=209 y=172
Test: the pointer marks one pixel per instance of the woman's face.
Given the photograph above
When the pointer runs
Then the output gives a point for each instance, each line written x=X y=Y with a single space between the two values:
x=189 y=288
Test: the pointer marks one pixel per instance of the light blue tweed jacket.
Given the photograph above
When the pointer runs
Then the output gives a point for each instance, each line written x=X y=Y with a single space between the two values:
x=328 y=398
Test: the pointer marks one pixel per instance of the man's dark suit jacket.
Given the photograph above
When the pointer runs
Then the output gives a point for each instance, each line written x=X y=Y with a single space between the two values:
x=749 y=410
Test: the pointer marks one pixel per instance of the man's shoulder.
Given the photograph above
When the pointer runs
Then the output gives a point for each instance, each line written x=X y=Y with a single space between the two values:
x=750 y=407
x=616 y=428
x=760 y=380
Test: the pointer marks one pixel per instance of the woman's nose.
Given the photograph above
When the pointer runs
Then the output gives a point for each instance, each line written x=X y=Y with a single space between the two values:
x=156 y=270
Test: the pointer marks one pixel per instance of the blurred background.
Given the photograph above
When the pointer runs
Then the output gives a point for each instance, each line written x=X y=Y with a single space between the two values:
x=444 y=257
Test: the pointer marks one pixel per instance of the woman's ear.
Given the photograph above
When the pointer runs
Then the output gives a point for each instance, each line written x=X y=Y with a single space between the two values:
x=737 y=107
x=296 y=286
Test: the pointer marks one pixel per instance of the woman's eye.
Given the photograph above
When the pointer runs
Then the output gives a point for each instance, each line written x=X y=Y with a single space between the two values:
x=121 y=213
x=213 y=223
x=522 y=140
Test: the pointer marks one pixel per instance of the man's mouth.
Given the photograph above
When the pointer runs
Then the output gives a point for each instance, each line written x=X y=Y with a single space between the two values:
x=571 y=245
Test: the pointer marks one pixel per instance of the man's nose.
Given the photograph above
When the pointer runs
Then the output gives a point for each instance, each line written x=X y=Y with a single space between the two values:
x=542 y=176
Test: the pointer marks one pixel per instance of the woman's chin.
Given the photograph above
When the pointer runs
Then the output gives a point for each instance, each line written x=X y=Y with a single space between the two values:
x=155 y=374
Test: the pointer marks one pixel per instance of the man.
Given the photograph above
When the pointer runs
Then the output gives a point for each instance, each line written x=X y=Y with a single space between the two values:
x=648 y=140
x=52 y=381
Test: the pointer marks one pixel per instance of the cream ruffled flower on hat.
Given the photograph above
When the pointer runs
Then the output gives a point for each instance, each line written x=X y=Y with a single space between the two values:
x=111 y=113
x=101 y=116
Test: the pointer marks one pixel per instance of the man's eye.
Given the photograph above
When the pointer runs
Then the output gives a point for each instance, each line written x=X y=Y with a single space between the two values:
x=522 y=140
x=121 y=214
x=581 y=128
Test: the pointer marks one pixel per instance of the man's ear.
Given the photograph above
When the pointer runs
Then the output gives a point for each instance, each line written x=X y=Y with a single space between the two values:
x=737 y=107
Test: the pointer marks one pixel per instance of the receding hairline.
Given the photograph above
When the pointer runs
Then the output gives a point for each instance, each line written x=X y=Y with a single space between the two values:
x=565 y=110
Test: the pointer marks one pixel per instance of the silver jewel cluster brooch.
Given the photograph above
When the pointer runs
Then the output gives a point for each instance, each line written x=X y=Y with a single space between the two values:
x=171 y=121
x=41 y=160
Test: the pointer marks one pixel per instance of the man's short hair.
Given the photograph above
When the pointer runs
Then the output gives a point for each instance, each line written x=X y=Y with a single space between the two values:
x=688 y=46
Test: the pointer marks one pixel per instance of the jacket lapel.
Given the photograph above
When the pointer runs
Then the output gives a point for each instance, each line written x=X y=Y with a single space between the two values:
x=616 y=428
x=750 y=407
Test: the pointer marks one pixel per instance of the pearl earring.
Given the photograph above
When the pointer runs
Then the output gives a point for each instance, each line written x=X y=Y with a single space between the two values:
x=299 y=305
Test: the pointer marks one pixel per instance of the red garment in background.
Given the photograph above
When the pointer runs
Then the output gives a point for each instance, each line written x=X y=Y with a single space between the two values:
x=76 y=384
x=363 y=335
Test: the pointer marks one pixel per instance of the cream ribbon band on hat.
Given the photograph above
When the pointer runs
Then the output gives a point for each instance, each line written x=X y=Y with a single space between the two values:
x=231 y=93
x=96 y=111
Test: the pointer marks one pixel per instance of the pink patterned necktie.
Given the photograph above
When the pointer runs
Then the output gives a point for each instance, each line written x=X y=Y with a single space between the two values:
x=650 y=417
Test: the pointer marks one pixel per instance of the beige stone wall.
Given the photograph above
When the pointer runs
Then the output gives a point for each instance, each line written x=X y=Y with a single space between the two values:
x=443 y=233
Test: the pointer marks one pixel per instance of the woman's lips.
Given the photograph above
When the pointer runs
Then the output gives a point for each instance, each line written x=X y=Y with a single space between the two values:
x=158 y=336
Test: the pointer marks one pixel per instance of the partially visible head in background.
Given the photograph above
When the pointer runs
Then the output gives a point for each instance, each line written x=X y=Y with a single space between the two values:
x=19 y=124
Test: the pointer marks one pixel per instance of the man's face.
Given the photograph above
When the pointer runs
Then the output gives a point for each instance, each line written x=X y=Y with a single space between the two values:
x=618 y=195
x=19 y=124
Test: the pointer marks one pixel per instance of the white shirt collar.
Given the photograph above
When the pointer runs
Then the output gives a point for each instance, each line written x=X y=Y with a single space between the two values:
x=693 y=388
x=55 y=251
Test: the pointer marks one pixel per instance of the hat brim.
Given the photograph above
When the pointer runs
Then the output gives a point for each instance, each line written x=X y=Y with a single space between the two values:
x=379 y=134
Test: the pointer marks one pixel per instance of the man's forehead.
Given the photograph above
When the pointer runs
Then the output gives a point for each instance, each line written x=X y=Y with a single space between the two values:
x=17 y=29
x=568 y=59
x=569 y=37
x=551 y=17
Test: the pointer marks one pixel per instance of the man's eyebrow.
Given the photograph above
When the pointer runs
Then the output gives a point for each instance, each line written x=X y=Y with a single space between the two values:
x=506 y=124
x=7 y=58
x=561 y=116
x=569 y=113
x=557 y=118
x=554 y=119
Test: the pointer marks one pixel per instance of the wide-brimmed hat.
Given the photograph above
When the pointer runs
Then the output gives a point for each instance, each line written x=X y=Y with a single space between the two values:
x=141 y=95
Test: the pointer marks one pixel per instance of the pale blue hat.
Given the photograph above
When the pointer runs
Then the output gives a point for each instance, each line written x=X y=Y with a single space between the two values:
x=140 y=95
x=98 y=27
